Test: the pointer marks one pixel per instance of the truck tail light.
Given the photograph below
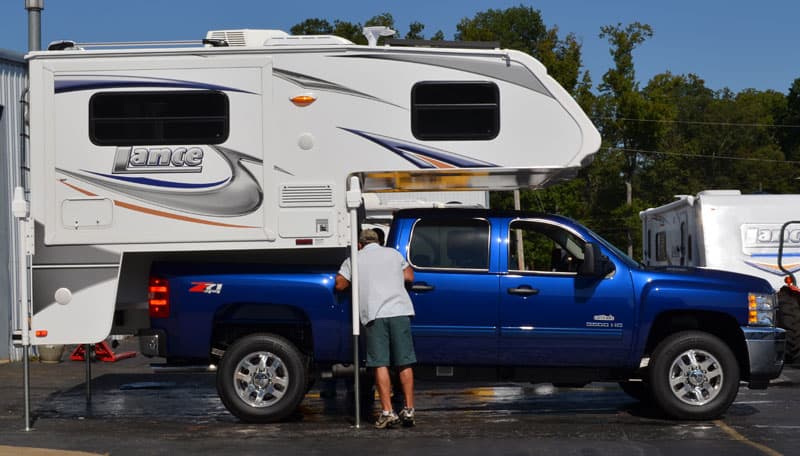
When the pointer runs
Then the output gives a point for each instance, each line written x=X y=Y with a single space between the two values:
x=158 y=297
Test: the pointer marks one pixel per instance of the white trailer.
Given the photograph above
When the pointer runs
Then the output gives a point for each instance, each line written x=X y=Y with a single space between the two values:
x=256 y=145
x=723 y=229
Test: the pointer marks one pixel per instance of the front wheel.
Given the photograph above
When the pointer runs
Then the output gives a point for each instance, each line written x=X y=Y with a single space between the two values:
x=789 y=319
x=694 y=376
x=262 y=378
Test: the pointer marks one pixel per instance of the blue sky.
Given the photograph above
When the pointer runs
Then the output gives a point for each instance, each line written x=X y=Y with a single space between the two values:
x=728 y=43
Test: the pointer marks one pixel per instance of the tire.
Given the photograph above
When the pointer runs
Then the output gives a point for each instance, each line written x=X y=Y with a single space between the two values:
x=640 y=391
x=789 y=319
x=262 y=378
x=694 y=376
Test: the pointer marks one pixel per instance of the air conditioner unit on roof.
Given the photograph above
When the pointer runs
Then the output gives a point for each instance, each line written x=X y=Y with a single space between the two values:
x=249 y=38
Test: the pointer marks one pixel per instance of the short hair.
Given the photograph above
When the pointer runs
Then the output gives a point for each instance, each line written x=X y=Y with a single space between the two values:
x=368 y=237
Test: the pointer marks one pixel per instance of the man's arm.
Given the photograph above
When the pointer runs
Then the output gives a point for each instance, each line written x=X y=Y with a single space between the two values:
x=341 y=283
x=408 y=274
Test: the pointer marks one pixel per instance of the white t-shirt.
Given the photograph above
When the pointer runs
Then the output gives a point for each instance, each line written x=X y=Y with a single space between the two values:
x=381 y=286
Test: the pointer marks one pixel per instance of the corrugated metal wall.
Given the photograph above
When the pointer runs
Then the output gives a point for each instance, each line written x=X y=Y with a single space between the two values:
x=13 y=79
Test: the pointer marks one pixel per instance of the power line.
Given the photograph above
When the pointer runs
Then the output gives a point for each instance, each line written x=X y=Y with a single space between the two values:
x=713 y=157
x=698 y=122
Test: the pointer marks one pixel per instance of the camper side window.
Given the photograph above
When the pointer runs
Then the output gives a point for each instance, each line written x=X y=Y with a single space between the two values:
x=158 y=118
x=454 y=111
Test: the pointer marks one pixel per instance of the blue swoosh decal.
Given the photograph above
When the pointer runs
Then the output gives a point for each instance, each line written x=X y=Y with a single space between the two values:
x=156 y=182
x=407 y=150
x=240 y=195
x=73 y=85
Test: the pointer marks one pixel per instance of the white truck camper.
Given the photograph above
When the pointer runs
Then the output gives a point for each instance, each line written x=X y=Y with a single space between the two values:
x=723 y=229
x=248 y=144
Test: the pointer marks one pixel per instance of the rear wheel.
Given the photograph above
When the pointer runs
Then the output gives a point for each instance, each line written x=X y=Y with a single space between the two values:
x=789 y=319
x=694 y=376
x=262 y=378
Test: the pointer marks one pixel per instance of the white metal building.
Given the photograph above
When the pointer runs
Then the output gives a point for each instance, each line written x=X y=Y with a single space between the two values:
x=13 y=75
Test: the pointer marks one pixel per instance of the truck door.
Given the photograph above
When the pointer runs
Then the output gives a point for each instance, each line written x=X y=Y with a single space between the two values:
x=454 y=292
x=551 y=316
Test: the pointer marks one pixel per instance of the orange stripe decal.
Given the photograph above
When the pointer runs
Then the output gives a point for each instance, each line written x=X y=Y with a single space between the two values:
x=434 y=162
x=156 y=212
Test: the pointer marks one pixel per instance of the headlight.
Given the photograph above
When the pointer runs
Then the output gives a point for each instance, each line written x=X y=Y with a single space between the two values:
x=761 y=309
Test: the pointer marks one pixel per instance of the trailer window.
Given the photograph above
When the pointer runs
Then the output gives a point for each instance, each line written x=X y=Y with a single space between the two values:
x=455 y=111
x=450 y=244
x=661 y=246
x=158 y=118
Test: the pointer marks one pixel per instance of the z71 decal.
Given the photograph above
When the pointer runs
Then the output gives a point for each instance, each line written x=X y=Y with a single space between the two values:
x=206 y=287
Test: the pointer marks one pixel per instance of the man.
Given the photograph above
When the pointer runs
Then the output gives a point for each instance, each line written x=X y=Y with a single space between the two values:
x=386 y=312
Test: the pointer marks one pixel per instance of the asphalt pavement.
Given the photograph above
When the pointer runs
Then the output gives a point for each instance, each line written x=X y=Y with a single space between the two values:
x=134 y=410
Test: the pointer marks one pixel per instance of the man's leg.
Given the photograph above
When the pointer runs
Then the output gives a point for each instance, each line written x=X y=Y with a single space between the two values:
x=384 y=386
x=407 y=380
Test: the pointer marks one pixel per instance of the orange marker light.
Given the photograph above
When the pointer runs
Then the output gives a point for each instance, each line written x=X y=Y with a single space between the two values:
x=41 y=333
x=303 y=100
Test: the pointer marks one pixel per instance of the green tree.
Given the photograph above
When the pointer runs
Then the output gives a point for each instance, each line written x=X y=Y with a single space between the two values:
x=620 y=100
x=415 y=31
x=314 y=26
x=790 y=118
x=522 y=28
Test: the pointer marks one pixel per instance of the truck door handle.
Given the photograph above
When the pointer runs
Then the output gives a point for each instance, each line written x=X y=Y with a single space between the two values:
x=524 y=290
x=421 y=287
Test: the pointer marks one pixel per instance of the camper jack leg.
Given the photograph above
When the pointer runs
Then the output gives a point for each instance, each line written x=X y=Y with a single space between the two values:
x=21 y=211
x=353 y=203
x=88 y=357
x=26 y=384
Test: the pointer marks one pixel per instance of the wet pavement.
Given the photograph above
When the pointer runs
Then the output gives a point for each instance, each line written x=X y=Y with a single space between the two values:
x=136 y=411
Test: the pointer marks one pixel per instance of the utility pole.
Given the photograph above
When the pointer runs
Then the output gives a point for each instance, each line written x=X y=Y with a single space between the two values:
x=629 y=200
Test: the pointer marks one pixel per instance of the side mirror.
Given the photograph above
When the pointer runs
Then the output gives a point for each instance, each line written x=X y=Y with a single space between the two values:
x=594 y=263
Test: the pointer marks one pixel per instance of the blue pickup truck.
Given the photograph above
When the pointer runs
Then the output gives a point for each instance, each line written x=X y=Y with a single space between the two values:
x=498 y=295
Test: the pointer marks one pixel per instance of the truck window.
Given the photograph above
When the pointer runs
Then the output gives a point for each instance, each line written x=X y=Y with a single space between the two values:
x=543 y=247
x=455 y=111
x=158 y=118
x=450 y=244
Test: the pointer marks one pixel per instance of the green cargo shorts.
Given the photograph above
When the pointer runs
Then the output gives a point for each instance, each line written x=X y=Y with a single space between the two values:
x=389 y=342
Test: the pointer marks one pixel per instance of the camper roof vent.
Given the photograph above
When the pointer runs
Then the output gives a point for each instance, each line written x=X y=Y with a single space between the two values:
x=313 y=195
x=247 y=37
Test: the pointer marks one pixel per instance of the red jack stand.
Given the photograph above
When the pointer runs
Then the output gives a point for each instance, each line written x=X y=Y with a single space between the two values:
x=102 y=352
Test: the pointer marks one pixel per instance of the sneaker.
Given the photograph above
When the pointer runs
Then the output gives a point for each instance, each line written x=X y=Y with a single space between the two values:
x=407 y=417
x=387 y=420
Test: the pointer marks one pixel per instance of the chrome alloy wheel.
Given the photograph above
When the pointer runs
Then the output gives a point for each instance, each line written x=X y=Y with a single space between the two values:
x=696 y=377
x=261 y=379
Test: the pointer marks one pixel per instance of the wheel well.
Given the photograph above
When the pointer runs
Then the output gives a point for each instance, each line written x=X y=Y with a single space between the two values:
x=238 y=320
x=718 y=324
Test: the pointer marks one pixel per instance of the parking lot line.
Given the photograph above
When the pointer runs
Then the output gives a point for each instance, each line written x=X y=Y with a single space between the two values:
x=740 y=438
